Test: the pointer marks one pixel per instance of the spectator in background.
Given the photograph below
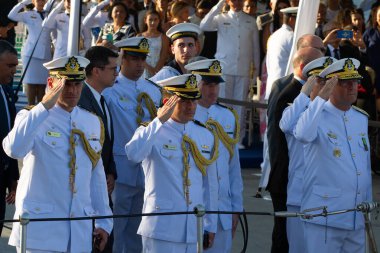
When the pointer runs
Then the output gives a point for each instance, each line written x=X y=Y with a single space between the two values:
x=203 y=7
x=7 y=31
x=132 y=13
x=332 y=9
x=162 y=9
x=38 y=42
x=321 y=20
x=344 y=17
x=250 y=7
x=158 y=43
x=179 y=13
x=357 y=20
x=371 y=38
x=119 y=28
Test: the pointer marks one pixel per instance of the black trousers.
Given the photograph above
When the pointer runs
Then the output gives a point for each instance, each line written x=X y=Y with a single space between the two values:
x=279 y=238
x=3 y=188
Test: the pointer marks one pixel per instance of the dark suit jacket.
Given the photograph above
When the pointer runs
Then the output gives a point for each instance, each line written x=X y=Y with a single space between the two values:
x=279 y=161
x=87 y=101
x=8 y=166
x=277 y=87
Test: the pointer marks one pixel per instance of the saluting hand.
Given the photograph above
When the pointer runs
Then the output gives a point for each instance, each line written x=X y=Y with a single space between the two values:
x=165 y=112
x=327 y=89
x=53 y=94
x=309 y=85
x=101 y=238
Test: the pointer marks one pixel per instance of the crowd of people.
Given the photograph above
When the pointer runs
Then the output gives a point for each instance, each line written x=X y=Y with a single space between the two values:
x=156 y=139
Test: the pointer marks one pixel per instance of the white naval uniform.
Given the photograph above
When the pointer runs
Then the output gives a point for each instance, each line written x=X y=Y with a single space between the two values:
x=158 y=147
x=294 y=226
x=237 y=46
x=337 y=174
x=36 y=73
x=230 y=185
x=59 y=22
x=278 y=53
x=42 y=138
x=164 y=73
x=128 y=194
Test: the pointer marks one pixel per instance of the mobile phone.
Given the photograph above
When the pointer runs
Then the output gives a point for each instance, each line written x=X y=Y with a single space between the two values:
x=344 y=34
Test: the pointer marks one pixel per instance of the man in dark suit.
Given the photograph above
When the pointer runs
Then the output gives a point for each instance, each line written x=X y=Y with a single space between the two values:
x=9 y=173
x=279 y=160
x=100 y=74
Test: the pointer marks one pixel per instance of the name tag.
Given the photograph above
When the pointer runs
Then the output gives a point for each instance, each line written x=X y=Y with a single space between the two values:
x=33 y=17
x=53 y=134
x=226 y=23
x=332 y=135
x=170 y=147
x=93 y=137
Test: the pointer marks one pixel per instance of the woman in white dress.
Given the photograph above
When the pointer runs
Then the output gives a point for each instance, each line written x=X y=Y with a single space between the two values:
x=36 y=74
x=158 y=43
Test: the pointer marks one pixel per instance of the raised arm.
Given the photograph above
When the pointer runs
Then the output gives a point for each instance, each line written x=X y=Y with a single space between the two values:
x=209 y=22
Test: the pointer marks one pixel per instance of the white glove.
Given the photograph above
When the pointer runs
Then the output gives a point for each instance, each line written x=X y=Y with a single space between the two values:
x=103 y=4
x=308 y=86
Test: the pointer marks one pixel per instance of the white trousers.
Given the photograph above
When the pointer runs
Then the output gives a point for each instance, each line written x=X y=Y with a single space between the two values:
x=151 y=245
x=222 y=241
x=265 y=165
x=295 y=232
x=127 y=200
x=237 y=88
x=324 y=239
x=18 y=249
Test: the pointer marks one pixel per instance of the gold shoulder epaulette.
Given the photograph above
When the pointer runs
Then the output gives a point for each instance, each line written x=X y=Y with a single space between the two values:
x=29 y=107
x=360 y=110
x=224 y=106
x=84 y=109
x=199 y=123
x=145 y=123
x=289 y=104
x=153 y=83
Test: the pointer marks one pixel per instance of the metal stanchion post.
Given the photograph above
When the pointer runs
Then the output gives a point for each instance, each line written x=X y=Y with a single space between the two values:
x=24 y=220
x=199 y=212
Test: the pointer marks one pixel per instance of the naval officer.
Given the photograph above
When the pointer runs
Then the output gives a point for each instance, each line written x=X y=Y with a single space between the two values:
x=184 y=46
x=290 y=116
x=238 y=45
x=225 y=122
x=178 y=158
x=336 y=147
x=131 y=100
x=63 y=174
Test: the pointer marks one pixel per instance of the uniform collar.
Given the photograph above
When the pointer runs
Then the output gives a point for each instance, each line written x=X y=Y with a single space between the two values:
x=287 y=27
x=57 y=108
x=178 y=126
x=331 y=108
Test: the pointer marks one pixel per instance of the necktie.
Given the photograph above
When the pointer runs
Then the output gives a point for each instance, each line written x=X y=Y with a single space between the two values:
x=4 y=125
x=336 y=53
x=102 y=102
x=42 y=14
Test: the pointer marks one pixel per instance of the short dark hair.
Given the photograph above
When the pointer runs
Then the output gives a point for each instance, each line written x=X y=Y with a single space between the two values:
x=6 y=47
x=118 y=4
x=98 y=57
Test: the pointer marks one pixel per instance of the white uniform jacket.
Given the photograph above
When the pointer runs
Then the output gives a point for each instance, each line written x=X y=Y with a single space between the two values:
x=278 y=53
x=42 y=139
x=158 y=147
x=33 y=22
x=337 y=162
x=238 y=40
x=296 y=167
x=59 y=22
x=230 y=185
x=122 y=103
x=164 y=73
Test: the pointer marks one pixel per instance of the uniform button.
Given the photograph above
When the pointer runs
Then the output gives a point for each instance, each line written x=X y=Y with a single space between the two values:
x=345 y=119
x=358 y=192
x=37 y=209
x=349 y=138
x=53 y=143
x=71 y=215
x=74 y=125
x=157 y=207
x=358 y=173
x=325 y=196
x=353 y=155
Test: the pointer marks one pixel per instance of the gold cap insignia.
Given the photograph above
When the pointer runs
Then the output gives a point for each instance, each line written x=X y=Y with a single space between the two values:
x=215 y=67
x=349 y=66
x=72 y=66
x=144 y=45
x=337 y=152
x=191 y=82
